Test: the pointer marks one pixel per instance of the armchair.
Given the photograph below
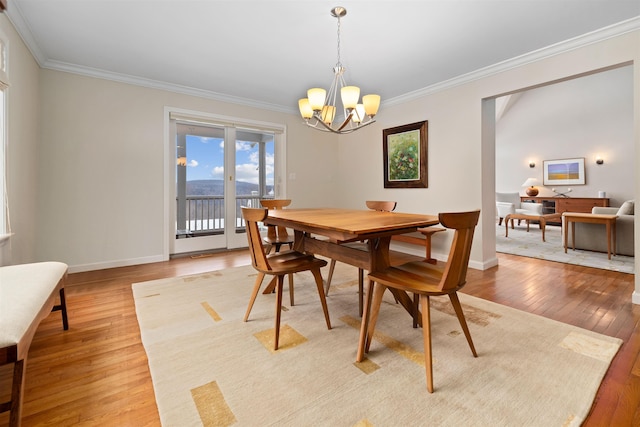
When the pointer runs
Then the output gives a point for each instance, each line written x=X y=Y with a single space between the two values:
x=509 y=203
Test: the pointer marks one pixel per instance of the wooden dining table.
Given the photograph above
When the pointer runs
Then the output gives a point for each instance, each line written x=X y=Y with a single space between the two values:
x=339 y=226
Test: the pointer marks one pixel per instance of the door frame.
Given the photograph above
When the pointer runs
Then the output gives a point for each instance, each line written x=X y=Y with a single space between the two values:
x=169 y=176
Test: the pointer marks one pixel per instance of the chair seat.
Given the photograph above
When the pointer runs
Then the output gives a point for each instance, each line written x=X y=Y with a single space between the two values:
x=415 y=277
x=292 y=262
x=277 y=240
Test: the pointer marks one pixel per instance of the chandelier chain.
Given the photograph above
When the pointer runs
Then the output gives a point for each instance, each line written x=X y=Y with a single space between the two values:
x=338 y=64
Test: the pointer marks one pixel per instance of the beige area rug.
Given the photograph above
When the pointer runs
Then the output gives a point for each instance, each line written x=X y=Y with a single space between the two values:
x=210 y=368
x=530 y=244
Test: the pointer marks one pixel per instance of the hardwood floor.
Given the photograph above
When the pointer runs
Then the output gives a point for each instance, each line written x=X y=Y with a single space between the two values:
x=97 y=374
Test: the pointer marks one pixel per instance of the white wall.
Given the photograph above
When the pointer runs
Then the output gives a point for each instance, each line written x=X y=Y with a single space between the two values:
x=102 y=168
x=23 y=132
x=461 y=149
x=584 y=117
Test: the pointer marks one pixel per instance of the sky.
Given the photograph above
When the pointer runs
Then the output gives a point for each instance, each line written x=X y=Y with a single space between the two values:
x=205 y=159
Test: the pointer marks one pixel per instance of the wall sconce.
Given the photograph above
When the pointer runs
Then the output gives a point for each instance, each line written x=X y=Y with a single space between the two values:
x=532 y=164
x=599 y=160
x=181 y=161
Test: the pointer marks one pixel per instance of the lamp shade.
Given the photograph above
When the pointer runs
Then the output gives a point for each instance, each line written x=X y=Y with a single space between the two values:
x=305 y=108
x=531 y=182
x=350 y=96
x=371 y=104
x=358 y=115
x=316 y=97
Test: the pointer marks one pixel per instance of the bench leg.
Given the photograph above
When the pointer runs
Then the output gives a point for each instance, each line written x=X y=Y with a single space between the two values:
x=17 y=392
x=63 y=308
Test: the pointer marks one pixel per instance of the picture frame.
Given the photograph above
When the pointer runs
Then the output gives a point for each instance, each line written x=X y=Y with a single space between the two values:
x=564 y=171
x=404 y=151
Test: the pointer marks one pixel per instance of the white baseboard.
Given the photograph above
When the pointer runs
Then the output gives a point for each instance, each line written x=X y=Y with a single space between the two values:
x=635 y=297
x=117 y=263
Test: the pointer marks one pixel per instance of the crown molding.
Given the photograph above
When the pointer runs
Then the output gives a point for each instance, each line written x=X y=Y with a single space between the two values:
x=599 y=35
x=160 y=85
x=15 y=16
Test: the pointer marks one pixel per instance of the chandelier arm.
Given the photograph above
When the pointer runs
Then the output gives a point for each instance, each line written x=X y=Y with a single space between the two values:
x=346 y=121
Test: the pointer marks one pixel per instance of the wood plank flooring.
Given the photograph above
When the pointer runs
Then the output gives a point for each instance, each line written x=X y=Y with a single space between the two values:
x=96 y=374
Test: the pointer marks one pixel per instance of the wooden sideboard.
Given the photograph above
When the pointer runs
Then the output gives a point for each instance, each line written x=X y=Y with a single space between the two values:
x=567 y=204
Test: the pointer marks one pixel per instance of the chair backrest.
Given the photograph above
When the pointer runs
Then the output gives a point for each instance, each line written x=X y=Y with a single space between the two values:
x=379 y=205
x=251 y=217
x=509 y=198
x=272 y=231
x=464 y=224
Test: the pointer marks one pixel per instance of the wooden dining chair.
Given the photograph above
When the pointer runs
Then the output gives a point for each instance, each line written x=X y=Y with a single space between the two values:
x=276 y=235
x=425 y=280
x=278 y=265
x=375 y=205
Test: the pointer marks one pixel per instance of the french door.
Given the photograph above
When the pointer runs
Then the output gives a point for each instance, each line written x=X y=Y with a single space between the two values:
x=218 y=169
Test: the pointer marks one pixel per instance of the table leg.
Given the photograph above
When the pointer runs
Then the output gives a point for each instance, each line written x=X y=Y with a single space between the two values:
x=543 y=226
x=615 y=233
x=566 y=233
x=506 y=225
x=608 y=225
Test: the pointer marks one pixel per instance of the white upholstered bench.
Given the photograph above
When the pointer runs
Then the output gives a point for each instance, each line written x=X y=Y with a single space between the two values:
x=28 y=294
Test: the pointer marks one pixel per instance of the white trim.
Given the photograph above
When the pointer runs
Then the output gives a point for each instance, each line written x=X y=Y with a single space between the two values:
x=113 y=264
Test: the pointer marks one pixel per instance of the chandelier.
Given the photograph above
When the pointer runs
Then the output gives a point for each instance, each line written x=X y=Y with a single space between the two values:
x=319 y=107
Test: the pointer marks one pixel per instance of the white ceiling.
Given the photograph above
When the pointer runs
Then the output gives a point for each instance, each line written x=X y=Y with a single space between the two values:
x=268 y=53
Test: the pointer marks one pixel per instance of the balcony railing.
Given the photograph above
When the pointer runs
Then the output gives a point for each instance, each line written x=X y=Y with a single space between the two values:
x=204 y=215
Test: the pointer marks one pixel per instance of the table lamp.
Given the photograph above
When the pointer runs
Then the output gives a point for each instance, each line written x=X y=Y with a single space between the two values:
x=530 y=184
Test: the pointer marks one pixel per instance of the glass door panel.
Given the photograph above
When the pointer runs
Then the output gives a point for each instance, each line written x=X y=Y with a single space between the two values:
x=200 y=204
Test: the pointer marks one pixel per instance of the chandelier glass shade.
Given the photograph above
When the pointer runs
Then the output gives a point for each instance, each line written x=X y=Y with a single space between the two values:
x=320 y=108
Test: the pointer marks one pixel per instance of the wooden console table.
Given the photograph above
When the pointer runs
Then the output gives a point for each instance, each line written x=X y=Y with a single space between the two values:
x=570 y=219
x=567 y=204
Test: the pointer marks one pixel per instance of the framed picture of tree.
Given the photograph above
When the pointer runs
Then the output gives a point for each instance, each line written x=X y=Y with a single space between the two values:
x=404 y=150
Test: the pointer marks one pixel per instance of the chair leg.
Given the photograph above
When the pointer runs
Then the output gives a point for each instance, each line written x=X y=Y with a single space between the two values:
x=323 y=300
x=378 y=293
x=291 y=289
x=426 y=333
x=254 y=294
x=332 y=267
x=278 y=310
x=463 y=323
x=360 y=290
x=364 y=325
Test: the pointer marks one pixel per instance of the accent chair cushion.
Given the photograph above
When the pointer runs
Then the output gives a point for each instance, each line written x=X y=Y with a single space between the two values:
x=627 y=208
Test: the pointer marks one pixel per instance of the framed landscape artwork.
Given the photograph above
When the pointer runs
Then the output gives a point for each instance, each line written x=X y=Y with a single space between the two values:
x=404 y=151
x=564 y=172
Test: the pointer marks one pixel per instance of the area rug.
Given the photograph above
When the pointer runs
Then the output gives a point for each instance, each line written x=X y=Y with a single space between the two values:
x=530 y=244
x=209 y=368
